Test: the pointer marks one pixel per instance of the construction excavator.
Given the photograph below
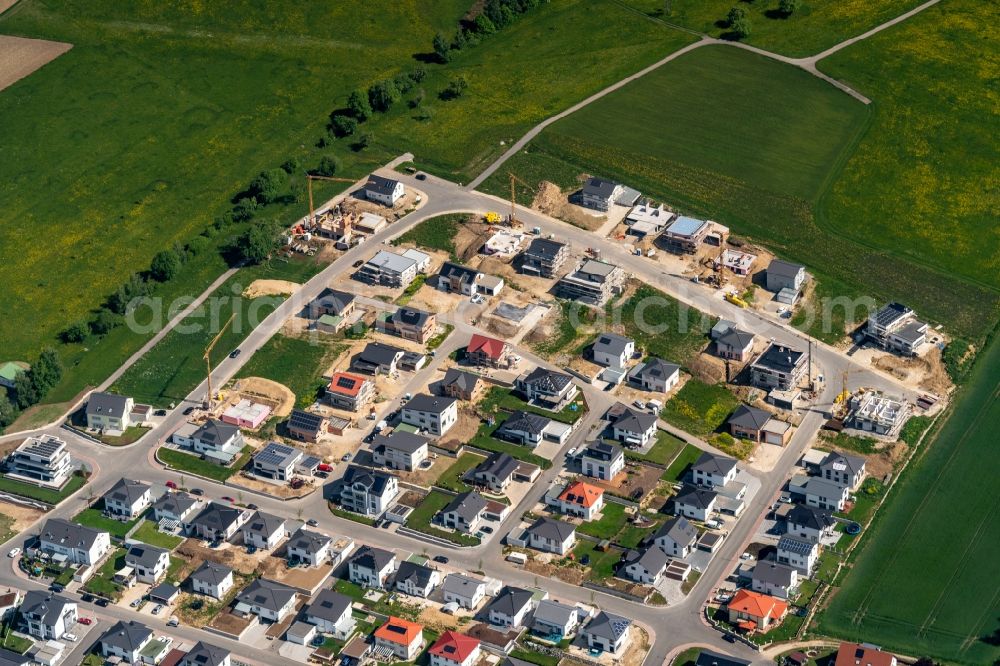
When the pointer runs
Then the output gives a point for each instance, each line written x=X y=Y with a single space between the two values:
x=209 y=396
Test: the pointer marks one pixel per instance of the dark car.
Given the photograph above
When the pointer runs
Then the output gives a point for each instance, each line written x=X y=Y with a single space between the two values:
x=57 y=587
x=421 y=176
x=160 y=412
x=729 y=638
x=87 y=598
x=321 y=475
x=188 y=411
x=487 y=529
x=441 y=559
x=357 y=263
x=102 y=602
x=312 y=522
x=252 y=507
x=370 y=437
x=197 y=491
x=234 y=353
x=229 y=499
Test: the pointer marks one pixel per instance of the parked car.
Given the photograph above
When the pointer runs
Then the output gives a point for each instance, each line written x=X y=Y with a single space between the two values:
x=197 y=491
x=159 y=607
x=14 y=552
x=252 y=507
x=312 y=522
x=487 y=529
x=187 y=411
x=234 y=353
x=69 y=637
x=323 y=467
x=171 y=484
x=322 y=475
x=102 y=602
x=571 y=452
x=160 y=412
x=85 y=621
x=296 y=483
x=346 y=457
x=229 y=499
x=421 y=176
x=251 y=550
x=441 y=559
x=135 y=602
x=57 y=587
x=358 y=263
x=173 y=621
x=87 y=598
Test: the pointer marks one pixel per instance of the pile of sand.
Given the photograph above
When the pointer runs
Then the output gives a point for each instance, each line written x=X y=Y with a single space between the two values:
x=259 y=288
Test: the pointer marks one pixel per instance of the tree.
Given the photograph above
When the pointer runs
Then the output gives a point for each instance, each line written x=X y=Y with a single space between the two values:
x=123 y=297
x=291 y=165
x=328 y=165
x=268 y=185
x=342 y=125
x=417 y=74
x=460 y=40
x=442 y=49
x=787 y=7
x=364 y=140
x=456 y=88
x=403 y=83
x=25 y=393
x=383 y=95
x=484 y=26
x=739 y=25
x=165 y=266
x=245 y=209
x=47 y=371
x=357 y=104
x=76 y=332
x=735 y=14
x=8 y=412
x=258 y=242
x=196 y=245
x=104 y=322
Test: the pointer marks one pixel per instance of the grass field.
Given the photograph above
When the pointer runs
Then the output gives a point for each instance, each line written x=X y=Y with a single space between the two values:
x=451 y=479
x=755 y=144
x=700 y=408
x=941 y=601
x=185 y=462
x=663 y=452
x=436 y=233
x=298 y=363
x=661 y=326
x=47 y=495
x=148 y=533
x=816 y=25
x=95 y=519
x=680 y=465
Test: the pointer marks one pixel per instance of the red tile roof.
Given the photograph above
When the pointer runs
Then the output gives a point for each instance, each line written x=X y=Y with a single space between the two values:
x=344 y=383
x=492 y=347
x=581 y=493
x=454 y=646
x=759 y=605
x=397 y=630
x=853 y=654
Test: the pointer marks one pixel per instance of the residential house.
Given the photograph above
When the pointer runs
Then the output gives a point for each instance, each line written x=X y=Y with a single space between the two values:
x=388 y=269
x=217 y=522
x=349 y=392
x=645 y=566
x=612 y=350
x=310 y=547
x=276 y=462
x=740 y=263
x=496 y=472
x=246 y=414
x=581 y=499
x=423 y=259
x=454 y=649
x=371 y=567
x=510 y=607
x=462 y=385
x=694 y=502
x=778 y=367
x=367 y=492
x=44 y=460
x=784 y=275
x=305 y=426
x=864 y=654
x=555 y=621
x=713 y=470
x=529 y=429
x=385 y=191
x=752 y=611
x=435 y=414
x=777 y=580
x=600 y=194
x=401 y=637
x=377 y=358
x=807 y=522
x=486 y=351
x=47 y=616
x=109 y=412
x=818 y=492
x=709 y=658
x=799 y=553
x=551 y=536
x=463 y=590
x=212 y=579
x=264 y=531
x=544 y=257
x=409 y=324
x=400 y=450
x=608 y=633
x=125 y=640
x=634 y=428
x=127 y=499
x=175 y=507
x=645 y=220
x=412 y=361
x=676 y=537
x=872 y=411
x=684 y=235
x=895 y=328
x=593 y=282
x=330 y=611
x=213 y=440
x=333 y=303
x=843 y=468
x=269 y=600
x=733 y=344
x=465 y=512
x=73 y=543
x=490 y=285
x=758 y=425
x=458 y=279
x=148 y=562
x=416 y=580
x=654 y=374
x=547 y=388
x=206 y=654
x=602 y=460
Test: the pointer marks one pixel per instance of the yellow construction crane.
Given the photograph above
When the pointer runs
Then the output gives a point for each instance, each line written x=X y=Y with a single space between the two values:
x=514 y=180
x=309 y=185
x=208 y=360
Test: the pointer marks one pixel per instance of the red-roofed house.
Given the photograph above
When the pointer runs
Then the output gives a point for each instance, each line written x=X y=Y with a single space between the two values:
x=752 y=611
x=581 y=499
x=853 y=654
x=454 y=649
x=483 y=350
x=403 y=638
x=350 y=392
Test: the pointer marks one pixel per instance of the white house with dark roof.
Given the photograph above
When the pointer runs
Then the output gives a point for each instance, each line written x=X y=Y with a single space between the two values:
x=149 y=563
x=818 y=492
x=73 y=543
x=894 y=327
x=608 y=633
x=554 y=620
x=368 y=492
x=217 y=441
x=385 y=191
x=126 y=641
x=733 y=344
x=612 y=350
x=496 y=472
x=310 y=547
x=401 y=450
x=330 y=611
x=547 y=388
x=127 y=499
x=465 y=512
x=109 y=412
x=212 y=579
x=809 y=522
x=713 y=470
x=47 y=616
x=528 y=429
x=205 y=654
x=600 y=193
x=276 y=462
x=676 y=537
x=371 y=567
x=694 y=502
x=217 y=522
x=267 y=599
x=843 y=468
x=551 y=536
x=777 y=580
x=645 y=566
x=458 y=279
x=654 y=375
x=634 y=428
x=799 y=553
x=264 y=531
x=463 y=590
x=435 y=414
x=510 y=607
x=377 y=358
x=602 y=460
x=416 y=580
x=176 y=507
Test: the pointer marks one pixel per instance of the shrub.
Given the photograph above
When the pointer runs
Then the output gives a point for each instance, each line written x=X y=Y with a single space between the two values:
x=357 y=104
x=104 y=322
x=291 y=165
x=165 y=266
x=328 y=165
x=75 y=332
x=382 y=95
x=342 y=125
x=268 y=185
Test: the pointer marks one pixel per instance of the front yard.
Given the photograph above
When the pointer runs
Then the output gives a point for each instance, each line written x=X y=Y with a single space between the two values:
x=679 y=467
x=422 y=516
x=93 y=518
x=451 y=479
x=185 y=462
x=46 y=495
x=663 y=451
x=102 y=582
x=148 y=533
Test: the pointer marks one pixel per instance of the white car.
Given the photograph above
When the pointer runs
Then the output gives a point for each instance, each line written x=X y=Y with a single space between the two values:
x=69 y=637
x=571 y=452
x=14 y=552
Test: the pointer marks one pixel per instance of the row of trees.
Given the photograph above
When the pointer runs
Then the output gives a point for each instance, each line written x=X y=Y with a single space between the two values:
x=378 y=98
x=738 y=22
x=31 y=386
x=495 y=16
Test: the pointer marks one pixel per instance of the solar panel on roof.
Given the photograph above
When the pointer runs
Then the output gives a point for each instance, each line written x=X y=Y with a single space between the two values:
x=345 y=382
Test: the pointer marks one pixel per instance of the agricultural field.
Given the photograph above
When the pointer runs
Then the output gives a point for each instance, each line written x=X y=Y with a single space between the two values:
x=814 y=26
x=763 y=178
x=939 y=601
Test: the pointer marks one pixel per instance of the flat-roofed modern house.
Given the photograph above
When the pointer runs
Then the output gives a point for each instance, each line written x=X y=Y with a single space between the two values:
x=648 y=220
x=213 y=440
x=684 y=235
x=593 y=282
x=401 y=450
x=435 y=414
x=544 y=257
x=377 y=358
x=547 y=388
x=385 y=191
x=127 y=499
x=349 y=392
x=43 y=460
x=109 y=412
x=276 y=462
x=895 y=328
x=873 y=411
x=486 y=351
x=368 y=492
x=602 y=460
x=778 y=367
x=388 y=269
x=654 y=374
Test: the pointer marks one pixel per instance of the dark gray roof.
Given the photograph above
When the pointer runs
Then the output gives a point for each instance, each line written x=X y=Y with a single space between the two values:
x=796 y=545
x=635 y=421
x=308 y=541
x=709 y=658
x=127 y=491
x=374 y=481
x=612 y=343
x=544 y=248
x=510 y=600
x=454 y=271
x=432 y=404
x=264 y=524
x=400 y=440
x=46 y=606
x=549 y=528
x=524 y=422
x=467 y=505
x=215 y=432
x=379 y=353
x=218 y=517
x=784 y=268
x=329 y=605
x=694 y=496
x=411 y=317
x=334 y=300
x=465 y=381
x=773 y=573
x=107 y=404
x=779 y=358
x=204 y=654
x=461 y=584
x=11 y=658
x=604 y=451
x=656 y=368
x=606 y=625
x=128 y=636
x=163 y=591
x=552 y=612
x=852 y=463
x=381 y=185
x=175 y=503
x=713 y=463
x=548 y=380
x=750 y=418
x=911 y=332
x=500 y=465
x=679 y=530
x=70 y=535
x=266 y=593
x=372 y=558
x=418 y=574
x=144 y=555
x=212 y=573
x=652 y=559
x=735 y=338
x=807 y=516
x=599 y=187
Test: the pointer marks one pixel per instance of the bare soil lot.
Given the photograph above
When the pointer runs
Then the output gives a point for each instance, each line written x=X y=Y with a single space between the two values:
x=270 y=288
x=19 y=56
x=23 y=516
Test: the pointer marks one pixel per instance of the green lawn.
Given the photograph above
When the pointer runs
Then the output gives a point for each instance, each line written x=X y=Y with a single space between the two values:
x=16 y=643
x=611 y=522
x=148 y=533
x=914 y=429
x=451 y=478
x=661 y=326
x=6 y=528
x=435 y=233
x=906 y=596
x=186 y=462
x=498 y=399
x=602 y=565
x=420 y=519
x=663 y=451
x=700 y=408
x=681 y=464
x=534 y=657
x=130 y=436
x=485 y=441
x=856 y=443
x=93 y=518
x=297 y=362
x=102 y=583
x=350 y=515
x=42 y=494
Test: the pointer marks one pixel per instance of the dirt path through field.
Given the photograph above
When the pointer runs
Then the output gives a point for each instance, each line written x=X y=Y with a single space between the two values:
x=20 y=56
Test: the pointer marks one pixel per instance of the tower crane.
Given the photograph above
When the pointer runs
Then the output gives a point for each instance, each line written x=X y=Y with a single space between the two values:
x=514 y=180
x=309 y=185
x=208 y=360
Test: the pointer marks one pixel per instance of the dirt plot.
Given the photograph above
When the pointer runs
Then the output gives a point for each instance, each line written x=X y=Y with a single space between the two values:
x=24 y=516
x=259 y=288
x=228 y=554
x=464 y=430
x=274 y=393
x=305 y=578
x=635 y=478
x=552 y=201
x=283 y=490
x=19 y=57
x=574 y=574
